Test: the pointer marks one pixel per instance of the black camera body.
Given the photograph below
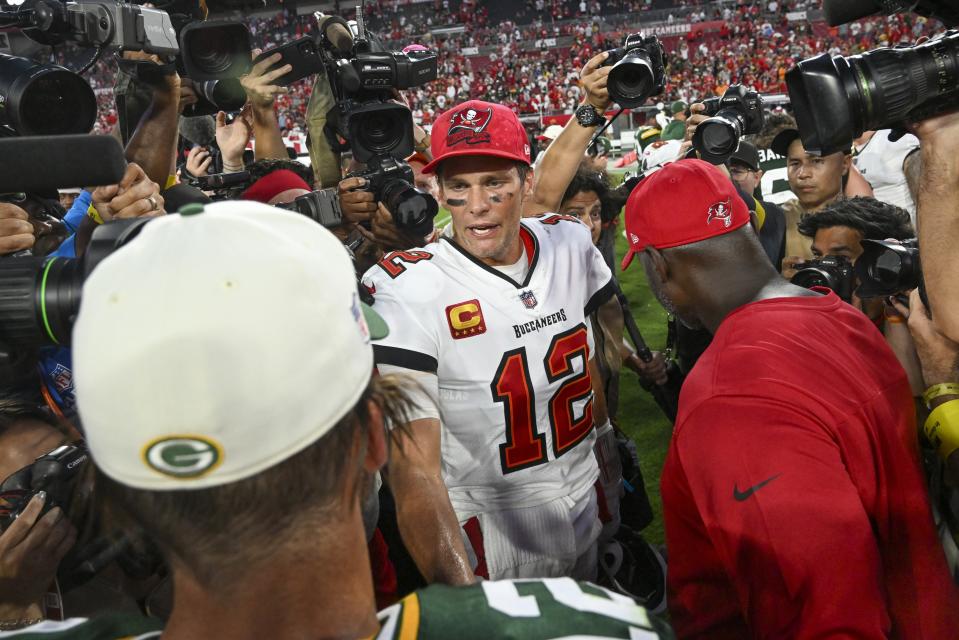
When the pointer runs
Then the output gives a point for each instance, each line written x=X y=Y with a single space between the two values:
x=55 y=473
x=831 y=272
x=639 y=70
x=100 y=23
x=321 y=206
x=737 y=113
x=890 y=269
x=837 y=98
x=391 y=182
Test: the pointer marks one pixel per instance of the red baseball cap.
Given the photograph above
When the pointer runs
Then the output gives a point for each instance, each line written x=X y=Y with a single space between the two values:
x=478 y=128
x=684 y=202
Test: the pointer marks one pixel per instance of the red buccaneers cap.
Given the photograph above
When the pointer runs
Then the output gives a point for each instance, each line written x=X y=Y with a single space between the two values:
x=684 y=202
x=478 y=128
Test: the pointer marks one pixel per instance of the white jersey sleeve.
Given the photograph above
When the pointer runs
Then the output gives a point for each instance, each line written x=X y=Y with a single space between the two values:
x=412 y=342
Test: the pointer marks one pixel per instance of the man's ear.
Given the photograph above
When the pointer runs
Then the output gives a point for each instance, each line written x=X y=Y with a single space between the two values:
x=846 y=163
x=759 y=174
x=658 y=263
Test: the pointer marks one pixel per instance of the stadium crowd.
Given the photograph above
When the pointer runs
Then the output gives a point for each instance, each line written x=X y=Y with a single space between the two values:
x=245 y=396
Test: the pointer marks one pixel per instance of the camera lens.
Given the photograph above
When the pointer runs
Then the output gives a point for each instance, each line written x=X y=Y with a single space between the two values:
x=226 y=94
x=215 y=50
x=836 y=99
x=39 y=298
x=44 y=99
x=380 y=132
x=717 y=138
x=411 y=209
x=631 y=80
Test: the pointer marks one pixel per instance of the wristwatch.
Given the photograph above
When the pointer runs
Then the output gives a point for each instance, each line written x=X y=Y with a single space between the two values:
x=588 y=116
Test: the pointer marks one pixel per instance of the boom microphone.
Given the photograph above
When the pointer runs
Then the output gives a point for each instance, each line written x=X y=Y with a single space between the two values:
x=37 y=163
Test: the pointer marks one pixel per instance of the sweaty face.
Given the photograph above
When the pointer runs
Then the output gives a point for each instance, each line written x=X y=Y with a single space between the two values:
x=815 y=180
x=485 y=197
x=586 y=206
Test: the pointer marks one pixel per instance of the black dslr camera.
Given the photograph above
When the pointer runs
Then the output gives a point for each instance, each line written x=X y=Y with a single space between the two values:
x=831 y=272
x=890 y=269
x=639 y=70
x=55 y=472
x=737 y=113
x=378 y=130
x=837 y=98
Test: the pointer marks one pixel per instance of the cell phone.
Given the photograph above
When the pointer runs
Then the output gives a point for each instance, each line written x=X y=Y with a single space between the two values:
x=301 y=54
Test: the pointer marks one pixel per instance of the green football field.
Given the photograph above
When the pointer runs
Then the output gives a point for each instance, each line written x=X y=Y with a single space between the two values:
x=639 y=416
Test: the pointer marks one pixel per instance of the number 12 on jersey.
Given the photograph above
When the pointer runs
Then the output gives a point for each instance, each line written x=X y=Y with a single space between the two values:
x=524 y=446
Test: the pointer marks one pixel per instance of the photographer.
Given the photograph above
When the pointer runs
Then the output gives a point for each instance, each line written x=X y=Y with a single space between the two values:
x=838 y=230
x=32 y=546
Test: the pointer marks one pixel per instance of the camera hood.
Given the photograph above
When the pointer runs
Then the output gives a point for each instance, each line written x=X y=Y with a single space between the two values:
x=215 y=50
x=887 y=268
x=820 y=86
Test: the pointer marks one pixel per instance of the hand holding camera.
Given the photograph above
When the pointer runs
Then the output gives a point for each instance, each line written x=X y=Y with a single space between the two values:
x=136 y=196
x=357 y=204
x=198 y=161
x=259 y=82
x=595 y=77
x=31 y=549
x=937 y=353
x=16 y=232
x=232 y=138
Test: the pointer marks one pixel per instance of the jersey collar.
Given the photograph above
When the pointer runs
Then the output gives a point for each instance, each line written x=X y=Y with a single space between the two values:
x=530 y=242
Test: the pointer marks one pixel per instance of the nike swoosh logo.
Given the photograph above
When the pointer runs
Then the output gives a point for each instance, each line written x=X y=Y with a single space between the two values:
x=739 y=496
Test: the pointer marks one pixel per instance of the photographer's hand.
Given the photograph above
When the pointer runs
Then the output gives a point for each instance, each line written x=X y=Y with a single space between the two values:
x=30 y=552
x=938 y=355
x=654 y=371
x=134 y=197
x=198 y=161
x=789 y=266
x=258 y=84
x=594 y=78
x=232 y=139
x=387 y=235
x=694 y=120
x=16 y=232
x=356 y=204
x=188 y=94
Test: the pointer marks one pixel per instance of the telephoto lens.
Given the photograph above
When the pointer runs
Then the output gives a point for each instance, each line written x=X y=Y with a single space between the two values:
x=215 y=50
x=889 y=268
x=44 y=99
x=837 y=98
x=739 y=112
x=411 y=209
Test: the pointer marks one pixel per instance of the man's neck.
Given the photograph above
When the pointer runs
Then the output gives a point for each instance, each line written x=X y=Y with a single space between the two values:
x=730 y=291
x=817 y=207
x=318 y=586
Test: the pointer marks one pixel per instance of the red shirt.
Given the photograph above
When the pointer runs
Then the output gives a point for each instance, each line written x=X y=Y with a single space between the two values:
x=792 y=493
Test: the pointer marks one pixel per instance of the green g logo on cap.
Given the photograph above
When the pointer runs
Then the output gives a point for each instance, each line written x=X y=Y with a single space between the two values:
x=184 y=457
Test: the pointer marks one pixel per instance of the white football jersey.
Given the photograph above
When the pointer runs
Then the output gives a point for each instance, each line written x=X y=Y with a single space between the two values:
x=515 y=397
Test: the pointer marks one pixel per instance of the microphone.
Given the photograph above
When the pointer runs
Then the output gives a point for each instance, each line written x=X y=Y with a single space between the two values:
x=37 y=163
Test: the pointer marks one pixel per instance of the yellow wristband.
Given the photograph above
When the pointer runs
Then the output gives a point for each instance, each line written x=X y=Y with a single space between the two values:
x=942 y=428
x=94 y=214
x=938 y=390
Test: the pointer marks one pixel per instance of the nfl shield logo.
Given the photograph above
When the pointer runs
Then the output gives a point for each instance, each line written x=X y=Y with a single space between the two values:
x=528 y=299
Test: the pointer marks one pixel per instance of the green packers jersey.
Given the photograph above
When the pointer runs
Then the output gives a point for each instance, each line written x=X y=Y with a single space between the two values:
x=548 y=609
x=113 y=627
x=519 y=609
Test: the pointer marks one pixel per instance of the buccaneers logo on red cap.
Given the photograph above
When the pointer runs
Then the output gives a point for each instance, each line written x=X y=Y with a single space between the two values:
x=721 y=211
x=468 y=125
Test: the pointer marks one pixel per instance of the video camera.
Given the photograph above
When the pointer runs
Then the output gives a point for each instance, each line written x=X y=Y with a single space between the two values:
x=737 y=113
x=639 y=70
x=378 y=130
x=837 y=98
x=831 y=272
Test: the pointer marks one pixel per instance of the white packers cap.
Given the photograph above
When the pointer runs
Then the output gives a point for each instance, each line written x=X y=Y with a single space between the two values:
x=218 y=343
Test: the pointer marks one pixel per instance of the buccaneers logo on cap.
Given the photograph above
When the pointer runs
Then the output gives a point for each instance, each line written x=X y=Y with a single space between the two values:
x=721 y=211
x=468 y=125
